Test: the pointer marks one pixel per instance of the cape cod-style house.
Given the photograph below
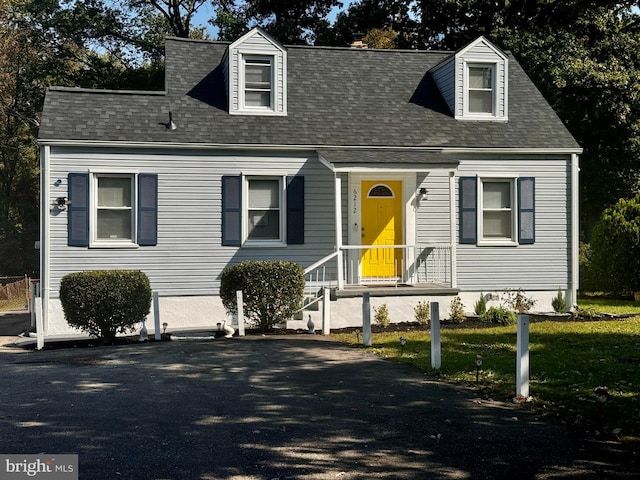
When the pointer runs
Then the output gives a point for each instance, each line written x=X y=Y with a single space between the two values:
x=414 y=175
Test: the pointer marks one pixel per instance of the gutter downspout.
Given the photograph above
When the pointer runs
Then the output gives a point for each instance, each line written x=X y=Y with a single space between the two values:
x=452 y=229
x=45 y=227
x=575 y=230
x=338 y=197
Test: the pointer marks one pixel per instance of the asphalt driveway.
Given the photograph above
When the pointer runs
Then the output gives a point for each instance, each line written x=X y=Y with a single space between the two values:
x=277 y=407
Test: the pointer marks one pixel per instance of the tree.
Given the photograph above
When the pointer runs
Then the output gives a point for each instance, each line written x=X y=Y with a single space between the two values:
x=615 y=247
x=381 y=38
x=297 y=22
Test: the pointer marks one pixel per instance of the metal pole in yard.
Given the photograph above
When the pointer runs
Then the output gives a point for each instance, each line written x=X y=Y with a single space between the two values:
x=435 y=336
x=240 y=309
x=522 y=360
x=366 y=320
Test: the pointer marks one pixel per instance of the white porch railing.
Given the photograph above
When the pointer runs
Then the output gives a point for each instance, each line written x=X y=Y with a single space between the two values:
x=397 y=264
x=389 y=265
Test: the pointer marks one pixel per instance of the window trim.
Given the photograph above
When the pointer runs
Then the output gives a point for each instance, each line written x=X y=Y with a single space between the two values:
x=281 y=241
x=94 y=241
x=513 y=181
x=494 y=97
x=242 y=80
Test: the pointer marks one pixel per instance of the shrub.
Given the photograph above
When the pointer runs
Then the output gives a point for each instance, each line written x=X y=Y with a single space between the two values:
x=272 y=290
x=517 y=300
x=499 y=316
x=481 y=305
x=456 y=311
x=381 y=315
x=615 y=247
x=558 y=303
x=422 y=313
x=104 y=303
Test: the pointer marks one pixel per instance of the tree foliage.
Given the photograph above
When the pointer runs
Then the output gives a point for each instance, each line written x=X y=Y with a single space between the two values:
x=615 y=247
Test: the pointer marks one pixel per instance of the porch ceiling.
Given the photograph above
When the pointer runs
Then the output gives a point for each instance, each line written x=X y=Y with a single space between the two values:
x=347 y=159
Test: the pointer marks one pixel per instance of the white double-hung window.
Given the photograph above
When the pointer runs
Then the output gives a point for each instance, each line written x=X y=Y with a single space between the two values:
x=258 y=81
x=481 y=89
x=265 y=209
x=114 y=208
x=497 y=219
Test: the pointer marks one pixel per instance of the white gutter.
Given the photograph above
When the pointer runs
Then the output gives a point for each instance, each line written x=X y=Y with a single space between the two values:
x=299 y=147
x=575 y=230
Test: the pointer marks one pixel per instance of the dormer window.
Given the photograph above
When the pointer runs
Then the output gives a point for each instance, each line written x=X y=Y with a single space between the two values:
x=258 y=81
x=255 y=68
x=475 y=82
x=480 y=94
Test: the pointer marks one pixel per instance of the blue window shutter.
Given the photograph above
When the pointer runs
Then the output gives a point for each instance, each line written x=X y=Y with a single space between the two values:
x=468 y=210
x=231 y=210
x=526 y=210
x=295 y=210
x=147 y=209
x=78 y=212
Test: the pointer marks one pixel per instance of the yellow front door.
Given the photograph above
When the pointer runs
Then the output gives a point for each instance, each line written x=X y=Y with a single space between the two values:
x=381 y=225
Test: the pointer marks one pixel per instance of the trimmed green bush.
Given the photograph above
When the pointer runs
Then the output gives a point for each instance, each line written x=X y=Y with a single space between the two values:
x=272 y=291
x=499 y=316
x=615 y=248
x=104 y=303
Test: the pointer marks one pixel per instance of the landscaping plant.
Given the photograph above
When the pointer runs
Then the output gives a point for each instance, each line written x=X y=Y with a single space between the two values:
x=381 y=315
x=481 y=305
x=104 y=303
x=558 y=303
x=499 y=316
x=456 y=311
x=422 y=313
x=272 y=290
x=517 y=300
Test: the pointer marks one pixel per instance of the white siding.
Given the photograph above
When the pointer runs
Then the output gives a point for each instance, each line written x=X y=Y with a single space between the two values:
x=189 y=257
x=433 y=212
x=446 y=80
x=541 y=266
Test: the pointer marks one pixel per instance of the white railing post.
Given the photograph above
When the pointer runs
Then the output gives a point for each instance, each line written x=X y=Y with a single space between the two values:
x=156 y=316
x=240 y=310
x=522 y=360
x=435 y=335
x=326 y=311
x=366 y=320
x=39 y=327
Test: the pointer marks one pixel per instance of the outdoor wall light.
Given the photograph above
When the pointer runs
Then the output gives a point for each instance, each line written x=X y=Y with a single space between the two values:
x=57 y=183
x=171 y=125
x=61 y=203
x=421 y=194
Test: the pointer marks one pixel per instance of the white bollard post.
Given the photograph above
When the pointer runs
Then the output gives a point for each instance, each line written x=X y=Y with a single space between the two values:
x=32 y=303
x=522 y=360
x=156 y=316
x=366 y=320
x=240 y=308
x=326 y=311
x=435 y=336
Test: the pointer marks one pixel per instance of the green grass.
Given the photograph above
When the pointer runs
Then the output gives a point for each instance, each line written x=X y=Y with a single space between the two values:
x=604 y=305
x=568 y=360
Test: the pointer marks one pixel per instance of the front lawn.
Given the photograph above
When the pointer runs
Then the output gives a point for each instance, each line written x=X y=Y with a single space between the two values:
x=568 y=360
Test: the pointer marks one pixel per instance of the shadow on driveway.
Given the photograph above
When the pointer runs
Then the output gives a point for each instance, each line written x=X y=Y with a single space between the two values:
x=269 y=408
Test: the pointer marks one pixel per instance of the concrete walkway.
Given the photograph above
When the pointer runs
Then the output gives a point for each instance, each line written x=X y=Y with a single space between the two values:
x=280 y=407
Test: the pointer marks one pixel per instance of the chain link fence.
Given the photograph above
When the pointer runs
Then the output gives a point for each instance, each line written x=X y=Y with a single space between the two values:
x=14 y=293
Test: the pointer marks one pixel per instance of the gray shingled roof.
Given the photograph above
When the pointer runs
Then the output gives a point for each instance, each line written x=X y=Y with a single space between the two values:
x=337 y=97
